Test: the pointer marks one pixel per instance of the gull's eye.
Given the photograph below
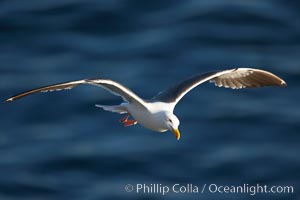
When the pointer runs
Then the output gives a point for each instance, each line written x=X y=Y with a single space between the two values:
x=170 y=120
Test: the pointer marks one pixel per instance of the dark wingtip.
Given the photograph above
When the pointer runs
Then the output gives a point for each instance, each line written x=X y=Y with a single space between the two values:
x=9 y=100
x=283 y=84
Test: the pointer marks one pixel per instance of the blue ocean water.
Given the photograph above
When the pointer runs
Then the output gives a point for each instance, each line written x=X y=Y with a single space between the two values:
x=59 y=146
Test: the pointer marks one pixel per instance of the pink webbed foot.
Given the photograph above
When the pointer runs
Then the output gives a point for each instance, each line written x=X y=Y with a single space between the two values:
x=130 y=123
x=126 y=122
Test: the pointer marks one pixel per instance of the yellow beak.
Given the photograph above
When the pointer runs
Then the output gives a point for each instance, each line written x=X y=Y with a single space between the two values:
x=176 y=133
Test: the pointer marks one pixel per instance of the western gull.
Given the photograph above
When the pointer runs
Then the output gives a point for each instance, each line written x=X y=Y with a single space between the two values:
x=157 y=113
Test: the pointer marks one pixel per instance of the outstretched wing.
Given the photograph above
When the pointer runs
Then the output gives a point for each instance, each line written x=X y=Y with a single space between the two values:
x=234 y=78
x=111 y=86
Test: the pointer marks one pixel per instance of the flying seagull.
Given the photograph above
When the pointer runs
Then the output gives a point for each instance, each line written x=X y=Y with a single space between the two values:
x=157 y=113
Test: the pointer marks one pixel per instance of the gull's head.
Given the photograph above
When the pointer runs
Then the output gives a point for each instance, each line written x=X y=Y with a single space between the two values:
x=172 y=123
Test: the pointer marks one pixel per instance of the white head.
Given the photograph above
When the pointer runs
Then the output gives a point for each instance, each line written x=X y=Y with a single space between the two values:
x=172 y=123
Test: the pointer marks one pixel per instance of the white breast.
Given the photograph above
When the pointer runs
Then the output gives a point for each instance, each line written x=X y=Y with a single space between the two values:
x=152 y=118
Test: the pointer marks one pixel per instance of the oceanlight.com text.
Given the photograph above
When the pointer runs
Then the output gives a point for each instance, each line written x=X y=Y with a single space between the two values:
x=189 y=188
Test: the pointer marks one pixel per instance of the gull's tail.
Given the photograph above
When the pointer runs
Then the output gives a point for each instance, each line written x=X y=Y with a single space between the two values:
x=118 y=109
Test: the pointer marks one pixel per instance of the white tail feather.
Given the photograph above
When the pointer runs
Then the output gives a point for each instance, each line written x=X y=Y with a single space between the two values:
x=117 y=109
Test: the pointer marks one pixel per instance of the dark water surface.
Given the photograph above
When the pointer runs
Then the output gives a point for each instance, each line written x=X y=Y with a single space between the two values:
x=59 y=146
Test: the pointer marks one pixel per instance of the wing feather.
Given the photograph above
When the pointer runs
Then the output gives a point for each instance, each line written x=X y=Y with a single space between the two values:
x=234 y=78
x=49 y=88
x=111 y=86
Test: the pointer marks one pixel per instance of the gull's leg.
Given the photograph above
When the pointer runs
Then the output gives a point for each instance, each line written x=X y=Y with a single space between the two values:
x=130 y=123
x=124 y=119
